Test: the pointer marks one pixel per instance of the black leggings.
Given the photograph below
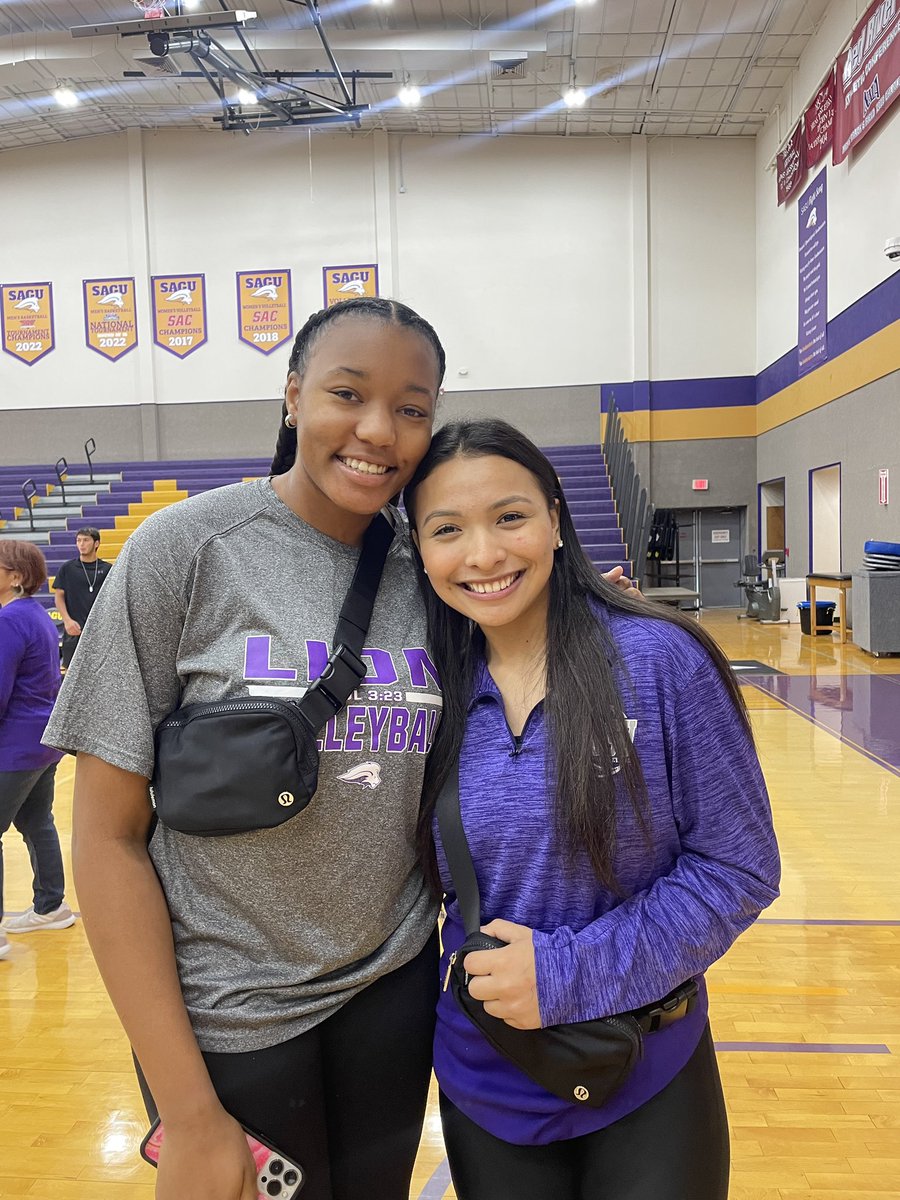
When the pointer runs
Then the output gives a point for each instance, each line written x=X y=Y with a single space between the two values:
x=674 y=1147
x=347 y=1099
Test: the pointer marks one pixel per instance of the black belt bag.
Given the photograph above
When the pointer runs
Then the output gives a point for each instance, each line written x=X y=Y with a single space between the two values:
x=584 y=1061
x=232 y=766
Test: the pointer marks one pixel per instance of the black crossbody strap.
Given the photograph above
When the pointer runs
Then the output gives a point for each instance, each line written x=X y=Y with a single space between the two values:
x=456 y=850
x=345 y=670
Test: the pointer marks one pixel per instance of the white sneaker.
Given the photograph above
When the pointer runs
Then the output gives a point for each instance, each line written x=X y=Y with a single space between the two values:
x=4 y=945
x=31 y=922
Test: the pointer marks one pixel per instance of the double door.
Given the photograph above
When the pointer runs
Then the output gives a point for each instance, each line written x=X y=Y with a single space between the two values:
x=710 y=549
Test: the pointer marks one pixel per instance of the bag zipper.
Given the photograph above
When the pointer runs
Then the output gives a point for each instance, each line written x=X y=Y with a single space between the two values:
x=450 y=963
x=281 y=708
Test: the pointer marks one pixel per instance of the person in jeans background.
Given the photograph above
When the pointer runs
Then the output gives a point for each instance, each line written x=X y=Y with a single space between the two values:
x=29 y=681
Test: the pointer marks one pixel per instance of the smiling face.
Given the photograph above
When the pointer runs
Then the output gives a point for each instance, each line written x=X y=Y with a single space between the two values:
x=487 y=536
x=364 y=406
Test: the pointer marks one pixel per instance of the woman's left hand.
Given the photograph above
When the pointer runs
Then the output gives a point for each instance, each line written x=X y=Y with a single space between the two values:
x=505 y=979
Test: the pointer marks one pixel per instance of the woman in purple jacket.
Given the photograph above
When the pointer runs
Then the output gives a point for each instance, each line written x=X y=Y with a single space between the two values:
x=619 y=828
x=29 y=681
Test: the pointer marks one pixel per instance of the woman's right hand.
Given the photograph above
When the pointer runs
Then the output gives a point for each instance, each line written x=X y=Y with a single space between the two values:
x=207 y=1160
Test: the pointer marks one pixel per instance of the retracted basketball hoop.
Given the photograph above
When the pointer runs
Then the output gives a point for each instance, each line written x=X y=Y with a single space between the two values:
x=150 y=11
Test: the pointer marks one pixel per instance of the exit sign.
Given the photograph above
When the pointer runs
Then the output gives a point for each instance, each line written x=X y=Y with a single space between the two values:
x=700 y=485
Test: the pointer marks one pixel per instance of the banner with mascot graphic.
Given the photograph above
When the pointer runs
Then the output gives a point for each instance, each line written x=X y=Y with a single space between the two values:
x=179 y=312
x=349 y=283
x=110 y=316
x=264 y=309
x=26 y=314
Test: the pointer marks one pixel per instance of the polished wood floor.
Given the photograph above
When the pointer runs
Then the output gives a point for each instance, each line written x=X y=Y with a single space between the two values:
x=805 y=1008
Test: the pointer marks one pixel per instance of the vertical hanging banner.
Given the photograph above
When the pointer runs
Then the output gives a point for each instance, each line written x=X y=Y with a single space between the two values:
x=868 y=76
x=349 y=283
x=179 y=312
x=26 y=315
x=791 y=165
x=818 y=123
x=110 y=316
x=812 y=337
x=265 y=321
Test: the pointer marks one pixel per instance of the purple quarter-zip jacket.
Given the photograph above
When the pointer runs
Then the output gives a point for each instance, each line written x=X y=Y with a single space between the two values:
x=711 y=867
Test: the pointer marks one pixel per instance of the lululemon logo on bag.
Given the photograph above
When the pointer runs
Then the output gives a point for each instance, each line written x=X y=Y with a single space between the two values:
x=581 y=1093
x=286 y=799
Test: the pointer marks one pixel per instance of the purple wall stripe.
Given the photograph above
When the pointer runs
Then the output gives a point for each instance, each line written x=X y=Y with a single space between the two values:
x=870 y=314
x=817 y=921
x=806 y=1047
x=666 y=395
x=438 y=1183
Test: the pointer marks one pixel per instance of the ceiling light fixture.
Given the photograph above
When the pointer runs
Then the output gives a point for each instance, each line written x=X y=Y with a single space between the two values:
x=575 y=97
x=65 y=97
x=409 y=96
x=246 y=97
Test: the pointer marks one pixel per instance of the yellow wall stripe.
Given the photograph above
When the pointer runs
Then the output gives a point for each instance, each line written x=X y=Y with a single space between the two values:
x=873 y=358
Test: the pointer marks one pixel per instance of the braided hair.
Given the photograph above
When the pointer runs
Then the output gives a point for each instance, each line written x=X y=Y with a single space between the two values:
x=392 y=312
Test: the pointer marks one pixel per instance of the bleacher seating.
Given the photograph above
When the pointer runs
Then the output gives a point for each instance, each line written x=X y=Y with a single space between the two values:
x=122 y=495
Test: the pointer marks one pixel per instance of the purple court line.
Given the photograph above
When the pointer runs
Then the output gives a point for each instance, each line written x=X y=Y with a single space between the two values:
x=806 y=1047
x=438 y=1183
x=816 y=921
x=759 y=683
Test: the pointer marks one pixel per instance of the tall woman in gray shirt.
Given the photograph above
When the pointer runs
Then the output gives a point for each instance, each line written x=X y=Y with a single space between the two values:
x=283 y=978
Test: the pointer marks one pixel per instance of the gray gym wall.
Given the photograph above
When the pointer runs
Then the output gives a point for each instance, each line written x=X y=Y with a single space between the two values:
x=563 y=416
x=861 y=431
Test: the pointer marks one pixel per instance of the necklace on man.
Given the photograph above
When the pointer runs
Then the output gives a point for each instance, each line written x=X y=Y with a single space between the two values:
x=87 y=579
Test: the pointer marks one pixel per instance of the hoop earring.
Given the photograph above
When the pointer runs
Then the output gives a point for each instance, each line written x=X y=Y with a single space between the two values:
x=289 y=421
x=19 y=590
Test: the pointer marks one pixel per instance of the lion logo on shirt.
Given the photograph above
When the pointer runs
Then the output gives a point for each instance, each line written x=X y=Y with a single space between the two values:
x=367 y=774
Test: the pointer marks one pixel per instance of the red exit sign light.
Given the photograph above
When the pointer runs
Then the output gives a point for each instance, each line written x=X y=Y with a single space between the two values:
x=700 y=485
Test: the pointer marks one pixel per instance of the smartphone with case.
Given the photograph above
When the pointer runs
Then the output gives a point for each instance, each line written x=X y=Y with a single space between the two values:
x=276 y=1175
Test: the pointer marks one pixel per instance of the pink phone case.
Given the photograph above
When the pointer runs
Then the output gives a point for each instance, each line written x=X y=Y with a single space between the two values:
x=277 y=1177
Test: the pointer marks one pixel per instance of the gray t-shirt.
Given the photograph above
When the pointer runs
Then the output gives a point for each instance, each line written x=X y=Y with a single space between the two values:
x=230 y=593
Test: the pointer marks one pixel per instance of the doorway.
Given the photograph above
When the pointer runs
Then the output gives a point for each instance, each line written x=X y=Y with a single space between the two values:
x=825 y=519
x=771 y=525
x=711 y=542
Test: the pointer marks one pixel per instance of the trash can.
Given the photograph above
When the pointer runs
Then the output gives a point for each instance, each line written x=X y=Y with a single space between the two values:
x=824 y=616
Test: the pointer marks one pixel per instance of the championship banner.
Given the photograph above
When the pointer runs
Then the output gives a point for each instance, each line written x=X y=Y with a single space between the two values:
x=264 y=309
x=349 y=283
x=26 y=316
x=812 y=334
x=868 y=76
x=179 y=312
x=791 y=165
x=818 y=123
x=110 y=316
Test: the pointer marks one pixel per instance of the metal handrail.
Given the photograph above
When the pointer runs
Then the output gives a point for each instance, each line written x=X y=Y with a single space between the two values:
x=61 y=468
x=29 y=498
x=89 y=447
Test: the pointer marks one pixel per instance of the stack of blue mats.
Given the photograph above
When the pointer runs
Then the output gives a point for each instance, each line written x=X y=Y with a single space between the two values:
x=882 y=556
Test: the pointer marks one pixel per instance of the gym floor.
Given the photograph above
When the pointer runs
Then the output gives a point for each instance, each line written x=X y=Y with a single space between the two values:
x=805 y=1008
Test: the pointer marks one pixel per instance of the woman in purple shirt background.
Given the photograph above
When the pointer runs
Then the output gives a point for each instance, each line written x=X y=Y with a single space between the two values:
x=29 y=681
x=618 y=822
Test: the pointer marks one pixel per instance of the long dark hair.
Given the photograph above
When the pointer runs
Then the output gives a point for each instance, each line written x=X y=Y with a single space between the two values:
x=588 y=732
x=392 y=312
